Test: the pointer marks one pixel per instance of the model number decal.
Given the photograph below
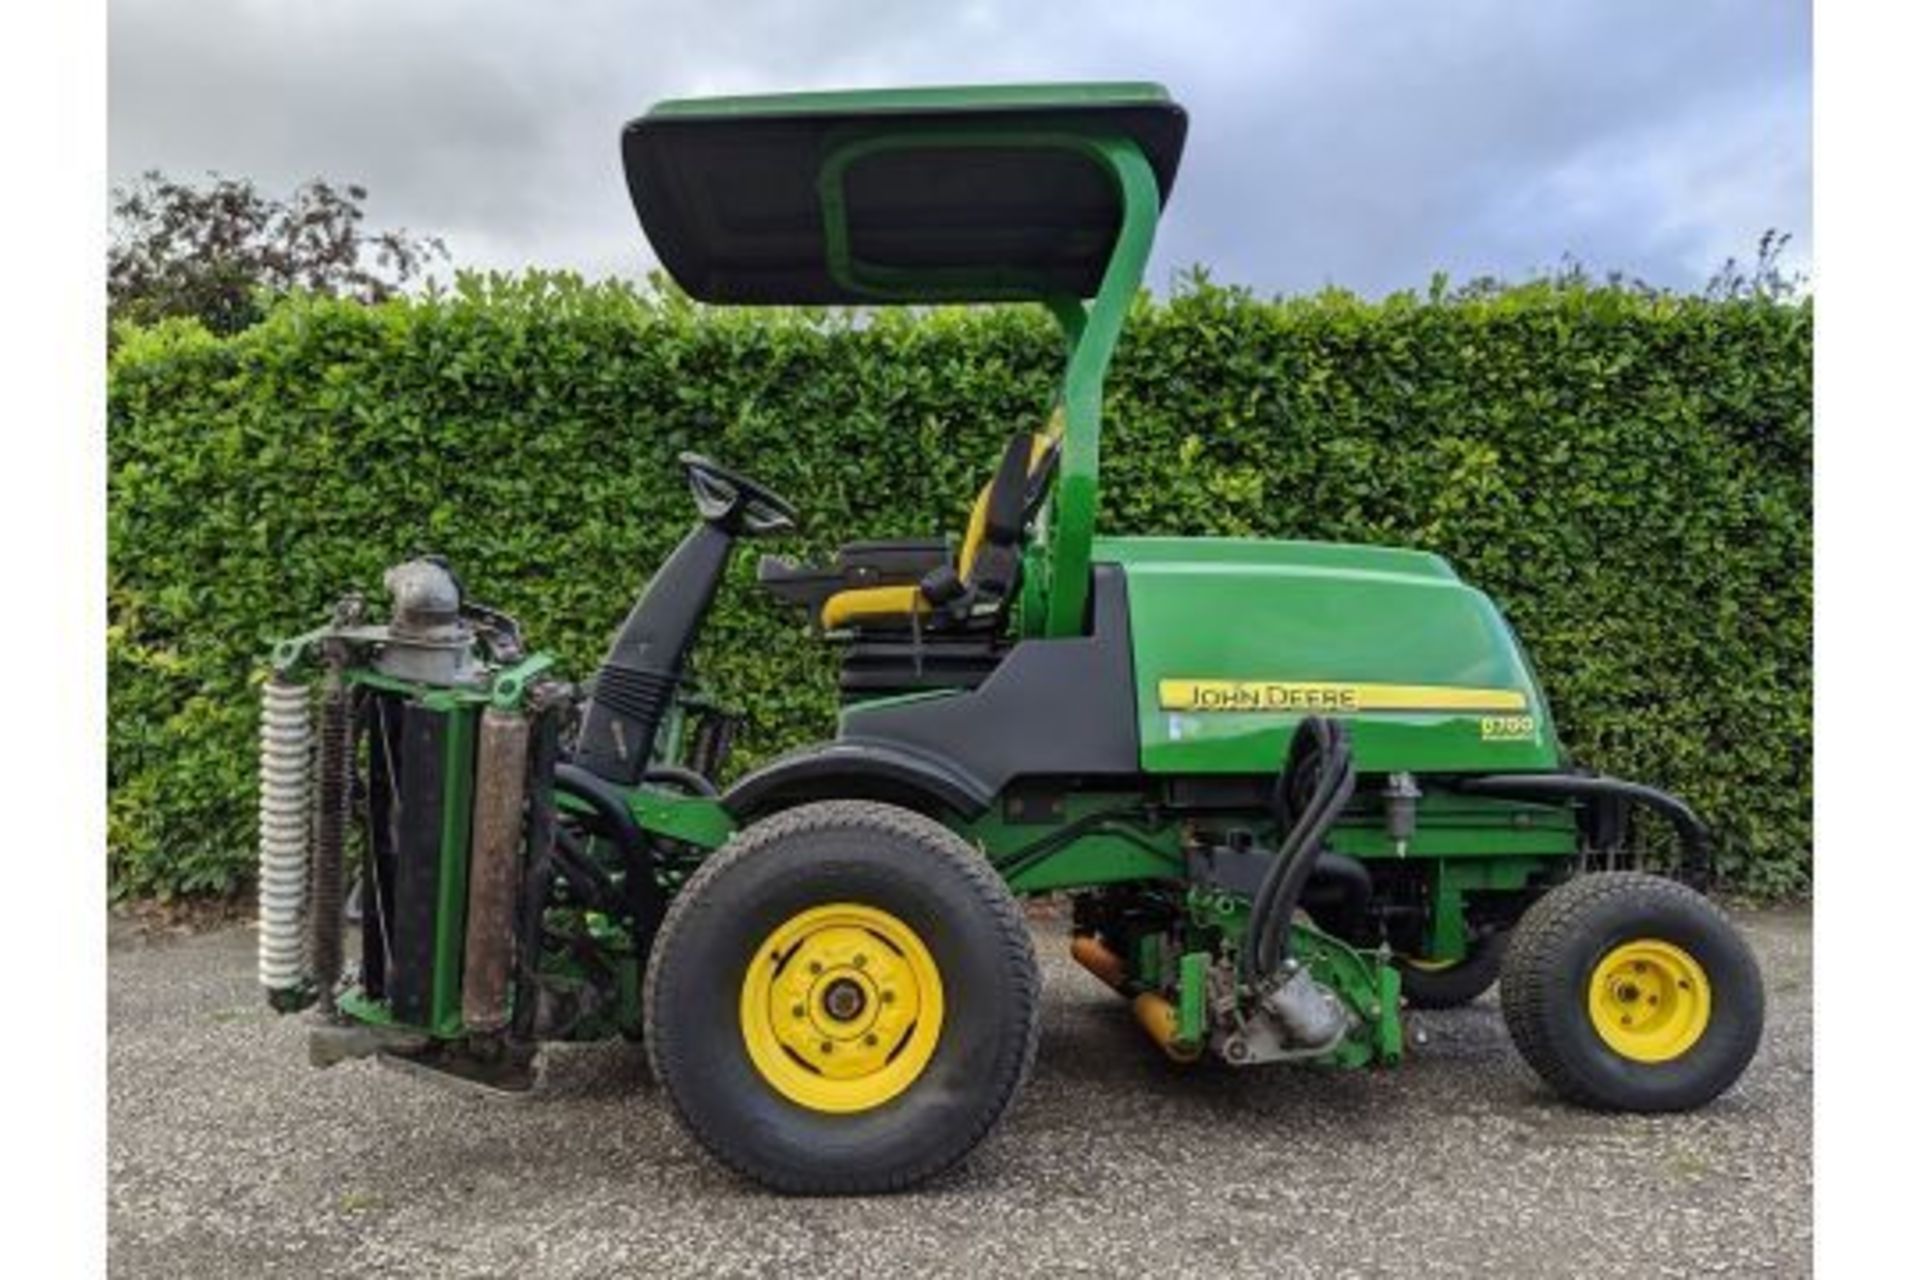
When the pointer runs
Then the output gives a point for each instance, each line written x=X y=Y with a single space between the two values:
x=1506 y=728
x=1339 y=698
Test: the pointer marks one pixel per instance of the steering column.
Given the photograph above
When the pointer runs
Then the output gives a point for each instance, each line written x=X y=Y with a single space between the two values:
x=634 y=687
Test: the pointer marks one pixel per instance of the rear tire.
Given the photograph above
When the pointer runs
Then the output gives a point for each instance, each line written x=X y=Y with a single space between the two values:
x=765 y=1019
x=1627 y=992
x=1450 y=986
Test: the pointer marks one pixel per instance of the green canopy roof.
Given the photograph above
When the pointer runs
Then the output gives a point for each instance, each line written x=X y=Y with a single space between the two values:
x=902 y=195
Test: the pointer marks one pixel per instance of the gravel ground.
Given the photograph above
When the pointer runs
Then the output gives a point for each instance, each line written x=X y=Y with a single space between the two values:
x=228 y=1157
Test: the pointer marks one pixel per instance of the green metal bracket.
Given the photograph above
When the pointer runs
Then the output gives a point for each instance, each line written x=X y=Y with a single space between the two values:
x=507 y=688
x=1149 y=960
x=1057 y=602
x=695 y=820
x=1077 y=491
x=510 y=685
x=1368 y=984
x=1094 y=838
x=1071 y=315
x=1453 y=879
x=1390 y=1044
x=356 y=1004
x=1190 y=1032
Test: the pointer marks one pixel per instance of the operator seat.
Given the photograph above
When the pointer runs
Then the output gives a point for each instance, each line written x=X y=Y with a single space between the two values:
x=987 y=568
x=876 y=589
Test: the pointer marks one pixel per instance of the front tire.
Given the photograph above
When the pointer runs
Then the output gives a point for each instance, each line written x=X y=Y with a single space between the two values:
x=1627 y=992
x=842 y=1000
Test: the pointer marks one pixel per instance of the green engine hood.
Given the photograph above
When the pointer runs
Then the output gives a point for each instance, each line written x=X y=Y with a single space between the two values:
x=1235 y=640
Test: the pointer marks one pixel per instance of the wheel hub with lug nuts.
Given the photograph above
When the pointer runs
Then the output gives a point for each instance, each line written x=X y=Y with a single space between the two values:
x=1649 y=1000
x=841 y=1008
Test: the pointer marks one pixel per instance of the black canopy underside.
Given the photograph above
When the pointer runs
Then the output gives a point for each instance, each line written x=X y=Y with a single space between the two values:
x=730 y=191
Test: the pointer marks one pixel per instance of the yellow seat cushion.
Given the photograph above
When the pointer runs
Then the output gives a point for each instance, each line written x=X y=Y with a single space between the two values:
x=865 y=604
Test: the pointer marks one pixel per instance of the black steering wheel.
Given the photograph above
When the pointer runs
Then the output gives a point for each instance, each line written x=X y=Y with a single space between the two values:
x=735 y=502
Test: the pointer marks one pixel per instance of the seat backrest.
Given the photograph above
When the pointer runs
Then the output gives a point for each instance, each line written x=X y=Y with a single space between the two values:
x=1001 y=507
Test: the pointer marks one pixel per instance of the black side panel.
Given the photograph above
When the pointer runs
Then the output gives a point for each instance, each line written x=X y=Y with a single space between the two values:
x=1051 y=707
x=887 y=662
x=423 y=755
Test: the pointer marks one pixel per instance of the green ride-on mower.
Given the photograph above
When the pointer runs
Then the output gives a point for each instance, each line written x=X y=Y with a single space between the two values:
x=1289 y=787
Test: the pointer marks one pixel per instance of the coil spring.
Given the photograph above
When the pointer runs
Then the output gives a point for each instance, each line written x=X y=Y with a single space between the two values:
x=286 y=747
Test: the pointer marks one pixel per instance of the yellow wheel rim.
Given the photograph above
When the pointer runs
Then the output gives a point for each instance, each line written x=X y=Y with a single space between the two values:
x=841 y=1008
x=1649 y=1000
x=1428 y=966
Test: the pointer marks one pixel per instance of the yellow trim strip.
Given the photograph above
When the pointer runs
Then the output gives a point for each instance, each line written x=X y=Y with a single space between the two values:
x=1309 y=696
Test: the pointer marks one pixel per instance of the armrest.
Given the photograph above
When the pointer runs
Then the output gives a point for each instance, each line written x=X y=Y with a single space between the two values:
x=896 y=562
x=888 y=562
x=807 y=586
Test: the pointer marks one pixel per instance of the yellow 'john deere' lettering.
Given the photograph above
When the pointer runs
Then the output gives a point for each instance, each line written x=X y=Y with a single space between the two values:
x=1309 y=697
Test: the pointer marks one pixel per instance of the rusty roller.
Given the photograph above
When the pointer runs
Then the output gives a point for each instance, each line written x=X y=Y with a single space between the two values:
x=1161 y=1020
x=1099 y=960
x=493 y=879
x=1153 y=1011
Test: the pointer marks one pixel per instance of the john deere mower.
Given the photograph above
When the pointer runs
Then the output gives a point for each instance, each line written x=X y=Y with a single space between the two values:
x=1289 y=787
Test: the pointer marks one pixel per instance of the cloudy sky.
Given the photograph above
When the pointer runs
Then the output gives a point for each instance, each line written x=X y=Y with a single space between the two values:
x=1365 y=143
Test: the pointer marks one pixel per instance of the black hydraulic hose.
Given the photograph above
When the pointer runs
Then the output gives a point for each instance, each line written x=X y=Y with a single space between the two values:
x=1301 y=851
x=608 y=806
x=1020 y=859
x=590 y=885
x=691 y=780
x=1298 y=786
x=1320 y=751
x=645 y=899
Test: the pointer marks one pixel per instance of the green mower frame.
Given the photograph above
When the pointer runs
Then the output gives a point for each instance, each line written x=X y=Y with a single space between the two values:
x=1290 y=787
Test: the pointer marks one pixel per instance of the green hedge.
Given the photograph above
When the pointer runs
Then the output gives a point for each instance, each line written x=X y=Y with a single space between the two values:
x=1628 y=476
